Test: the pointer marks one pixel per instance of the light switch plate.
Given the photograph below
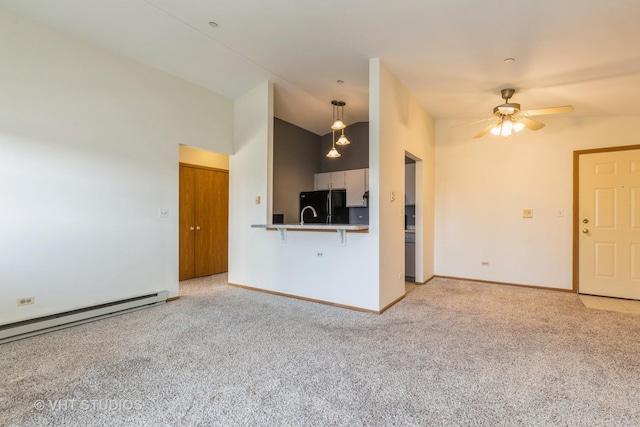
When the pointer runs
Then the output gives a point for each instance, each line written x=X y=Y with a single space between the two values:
x=257 y=200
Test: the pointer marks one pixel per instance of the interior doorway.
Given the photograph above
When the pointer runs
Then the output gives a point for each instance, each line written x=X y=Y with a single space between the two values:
x=607 y=222
x=412 y=222
x=203 y=213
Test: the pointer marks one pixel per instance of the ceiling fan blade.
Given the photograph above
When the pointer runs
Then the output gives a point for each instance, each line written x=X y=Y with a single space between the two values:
x=531 y=124
x=549 y=110
x=484 y=131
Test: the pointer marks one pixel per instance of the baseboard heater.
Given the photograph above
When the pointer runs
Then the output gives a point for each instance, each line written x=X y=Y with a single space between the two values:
x=41 y=325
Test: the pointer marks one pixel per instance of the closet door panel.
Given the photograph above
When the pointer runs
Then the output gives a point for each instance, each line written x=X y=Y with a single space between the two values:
x=220 y=221
x=205 y=213
x=186 y=223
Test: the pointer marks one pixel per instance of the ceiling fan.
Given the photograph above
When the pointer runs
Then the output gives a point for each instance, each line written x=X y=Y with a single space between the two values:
x=509 y=118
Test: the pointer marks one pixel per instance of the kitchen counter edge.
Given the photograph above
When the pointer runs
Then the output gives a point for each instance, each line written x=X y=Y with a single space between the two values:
x=313 y=227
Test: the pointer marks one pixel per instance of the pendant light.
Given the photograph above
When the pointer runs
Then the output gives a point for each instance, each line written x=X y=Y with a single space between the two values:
x=333 y=153
x=338 y=124
x=343 y=140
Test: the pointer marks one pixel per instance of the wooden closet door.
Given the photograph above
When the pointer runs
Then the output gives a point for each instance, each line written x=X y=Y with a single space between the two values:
x=220 y=222
x=205 y=210
x=186 y=239
x=212 y=200
x=204 y=222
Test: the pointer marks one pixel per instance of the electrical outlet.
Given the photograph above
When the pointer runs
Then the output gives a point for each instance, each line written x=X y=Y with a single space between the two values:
x=527 y=213
x=392 y=196
x=163 y=213
x=257 y=200
x=400 y=275
x=319 y=254
x=26 y=301
x=485 y=263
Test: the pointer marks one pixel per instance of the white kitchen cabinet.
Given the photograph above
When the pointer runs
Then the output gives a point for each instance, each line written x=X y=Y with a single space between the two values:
x=355 y=181
x=410 y=184
x=322 y=181
x=330 y=180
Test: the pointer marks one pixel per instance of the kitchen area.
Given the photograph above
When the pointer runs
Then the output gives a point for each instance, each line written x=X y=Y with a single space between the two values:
x=336 y=188
x=311 y=188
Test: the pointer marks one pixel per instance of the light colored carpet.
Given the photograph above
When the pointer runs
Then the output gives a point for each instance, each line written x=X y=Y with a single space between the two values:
x=451 y=353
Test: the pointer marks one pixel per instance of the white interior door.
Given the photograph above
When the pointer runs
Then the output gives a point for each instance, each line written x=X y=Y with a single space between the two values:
x=609 y=221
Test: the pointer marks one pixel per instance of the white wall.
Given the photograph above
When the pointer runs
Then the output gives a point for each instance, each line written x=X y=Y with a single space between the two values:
x=88 y=154
x=365 y=273
x=398 y=124
x=258 y=258
x=195 y=156
x=482 y=185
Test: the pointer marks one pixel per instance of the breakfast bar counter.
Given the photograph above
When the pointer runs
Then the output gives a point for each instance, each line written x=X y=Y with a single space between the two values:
x=341 y=229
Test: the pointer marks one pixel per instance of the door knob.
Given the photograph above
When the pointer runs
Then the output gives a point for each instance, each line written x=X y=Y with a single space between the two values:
x=197 y=227
x=191 y=228
x=585 y=230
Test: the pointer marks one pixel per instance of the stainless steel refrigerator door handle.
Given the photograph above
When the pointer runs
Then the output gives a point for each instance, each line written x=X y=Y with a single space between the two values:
x=328 y=206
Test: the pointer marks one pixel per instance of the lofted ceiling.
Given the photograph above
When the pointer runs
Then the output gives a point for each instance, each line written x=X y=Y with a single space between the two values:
x=450 y=54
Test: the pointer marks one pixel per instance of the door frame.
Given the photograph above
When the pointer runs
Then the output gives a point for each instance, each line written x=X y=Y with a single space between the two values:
x=576 y=204
x=419 y=217
x=208 y=168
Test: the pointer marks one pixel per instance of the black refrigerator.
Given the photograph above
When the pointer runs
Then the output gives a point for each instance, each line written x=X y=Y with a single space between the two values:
x=330 y=205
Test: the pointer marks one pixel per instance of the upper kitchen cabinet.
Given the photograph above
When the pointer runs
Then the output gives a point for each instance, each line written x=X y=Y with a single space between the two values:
x=356 y=185
x=330 y=181
x=410 y=184
x=355 y=181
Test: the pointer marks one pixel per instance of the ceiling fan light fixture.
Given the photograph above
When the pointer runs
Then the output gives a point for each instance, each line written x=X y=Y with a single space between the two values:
x=510 y=118
x=507 y=109
x=518 y=126
x=506 y=127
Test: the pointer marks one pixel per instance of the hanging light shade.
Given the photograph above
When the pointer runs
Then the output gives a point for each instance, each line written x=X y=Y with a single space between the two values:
x=338 y=124
x=518 y=126
x=343 y=140
x=333 y=153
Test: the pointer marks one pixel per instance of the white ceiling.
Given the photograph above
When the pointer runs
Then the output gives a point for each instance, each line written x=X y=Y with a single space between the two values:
x=449 y=53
